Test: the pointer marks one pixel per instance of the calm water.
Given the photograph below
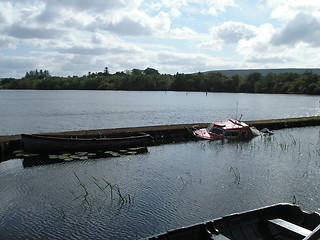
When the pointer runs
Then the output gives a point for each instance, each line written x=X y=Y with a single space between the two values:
x=51 y=111
x=172 y=185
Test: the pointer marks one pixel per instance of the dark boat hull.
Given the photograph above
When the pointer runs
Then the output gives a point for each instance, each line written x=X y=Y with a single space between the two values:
x=51 y=143
x=277 y=222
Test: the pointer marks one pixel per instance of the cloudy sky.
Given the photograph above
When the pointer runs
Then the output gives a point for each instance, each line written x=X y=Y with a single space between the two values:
x=72 y=37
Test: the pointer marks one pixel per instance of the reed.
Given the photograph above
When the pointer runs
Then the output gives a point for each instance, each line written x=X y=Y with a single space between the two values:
x=185 y=183
x=295 y=201
x=236 y=174
x=61 y=212
x=85 y=202
x=111 y=193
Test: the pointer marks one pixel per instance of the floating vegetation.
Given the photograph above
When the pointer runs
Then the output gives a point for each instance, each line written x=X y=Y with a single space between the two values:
x=81 y=153
x=27 y=155
x=17 y=152
x=108 y=152
x=131 y=153
x=115 y=154
x=39 y=159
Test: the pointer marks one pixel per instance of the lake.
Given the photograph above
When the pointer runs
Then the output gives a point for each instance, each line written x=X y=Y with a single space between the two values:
x=173 y=185
x=31 y=111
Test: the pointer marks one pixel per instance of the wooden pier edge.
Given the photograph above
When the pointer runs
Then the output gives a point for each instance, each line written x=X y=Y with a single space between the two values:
x=165 y=133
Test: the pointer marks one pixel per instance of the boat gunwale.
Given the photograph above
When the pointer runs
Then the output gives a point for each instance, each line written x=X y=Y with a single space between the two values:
x=261 y=212
x=70 y=138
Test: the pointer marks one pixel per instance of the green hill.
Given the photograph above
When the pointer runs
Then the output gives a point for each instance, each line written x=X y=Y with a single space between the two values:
x=244 y=72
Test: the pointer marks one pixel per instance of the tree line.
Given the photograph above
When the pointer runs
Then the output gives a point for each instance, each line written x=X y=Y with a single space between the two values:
x=151 y=80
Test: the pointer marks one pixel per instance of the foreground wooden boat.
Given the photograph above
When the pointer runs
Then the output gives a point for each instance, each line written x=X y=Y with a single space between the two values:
x=277 y=222
x=52 y=143
x=229 y=129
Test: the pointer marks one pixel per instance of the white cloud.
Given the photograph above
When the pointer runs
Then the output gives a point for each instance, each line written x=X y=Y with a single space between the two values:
x=258 y=46
x=215 y=45
x=183 y=33
x=270 y=3
x=16 y=66
x=187 y=62
x=302 y=28
x=177 y=8
x=286 y=10
x=214 y=7
x=8 y=42
x=138 y=23
x=72 y=37
x=259 y=51
x=23 y=32
x=92 y=5
x=232 y=32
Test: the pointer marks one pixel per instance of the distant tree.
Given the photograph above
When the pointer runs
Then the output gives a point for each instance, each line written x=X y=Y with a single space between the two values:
x=106 y=71
x=151 y=80
x=42 y=74
x=151 y=71
x=136 y=72
x=122 y=73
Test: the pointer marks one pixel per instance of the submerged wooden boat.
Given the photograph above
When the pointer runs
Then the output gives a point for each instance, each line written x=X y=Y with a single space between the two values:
x=276 y=222
x=50 y=143
x=229 y=129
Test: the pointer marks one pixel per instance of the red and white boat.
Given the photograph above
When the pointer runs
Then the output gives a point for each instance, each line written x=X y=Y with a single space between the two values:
x=229 y=129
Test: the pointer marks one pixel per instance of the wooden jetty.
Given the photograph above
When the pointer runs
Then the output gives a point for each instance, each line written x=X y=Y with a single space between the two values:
x=165 y=133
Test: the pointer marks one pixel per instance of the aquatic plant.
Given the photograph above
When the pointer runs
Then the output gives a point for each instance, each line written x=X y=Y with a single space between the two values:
x=111 y=193
x=236 y=174
x=60 y=210
x=185 y=183
x=84 y=196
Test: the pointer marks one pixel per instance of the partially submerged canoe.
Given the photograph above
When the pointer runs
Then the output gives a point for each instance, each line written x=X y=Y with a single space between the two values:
x=276 y=222
x=230 y=129
x=51 y=143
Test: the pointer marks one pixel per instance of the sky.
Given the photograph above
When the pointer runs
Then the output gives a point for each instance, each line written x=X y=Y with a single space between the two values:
x=73 y=37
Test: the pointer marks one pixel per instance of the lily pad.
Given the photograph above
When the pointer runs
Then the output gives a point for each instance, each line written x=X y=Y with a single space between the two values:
x=131 y=153
x=17 y=152
x=31 y=155
x=114 y=154
x=108 y=152
x=20 y=154
x=138 y=149
x=81 y=153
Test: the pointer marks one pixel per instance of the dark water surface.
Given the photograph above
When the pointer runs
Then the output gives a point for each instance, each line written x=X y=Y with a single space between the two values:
x=171 y=186
x=174 y=185
x=25 y=111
